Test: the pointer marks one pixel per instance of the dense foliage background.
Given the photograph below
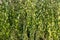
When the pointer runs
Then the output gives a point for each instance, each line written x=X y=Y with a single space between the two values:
x=29 y=19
